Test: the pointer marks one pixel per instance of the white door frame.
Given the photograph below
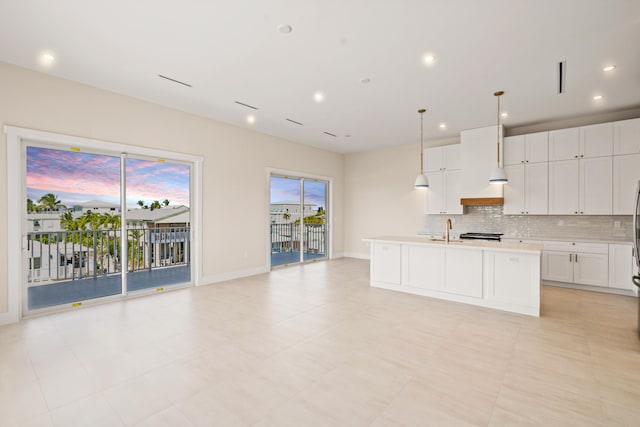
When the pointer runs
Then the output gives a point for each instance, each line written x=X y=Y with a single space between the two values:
x=16 y=202
x=304 y=175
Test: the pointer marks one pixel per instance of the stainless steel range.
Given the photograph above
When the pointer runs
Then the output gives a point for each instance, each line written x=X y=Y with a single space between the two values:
x=482 y=236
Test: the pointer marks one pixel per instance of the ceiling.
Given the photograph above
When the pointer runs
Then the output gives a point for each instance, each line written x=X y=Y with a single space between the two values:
x=232 y=51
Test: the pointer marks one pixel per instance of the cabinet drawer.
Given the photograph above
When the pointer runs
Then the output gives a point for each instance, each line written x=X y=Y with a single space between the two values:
x=593 y=248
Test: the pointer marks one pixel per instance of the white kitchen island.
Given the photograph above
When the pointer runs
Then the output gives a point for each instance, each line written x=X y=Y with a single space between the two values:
x=499 y=275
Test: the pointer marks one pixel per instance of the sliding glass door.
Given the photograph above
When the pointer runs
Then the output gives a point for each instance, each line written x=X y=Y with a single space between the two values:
x=102 y=224
x=298 y=216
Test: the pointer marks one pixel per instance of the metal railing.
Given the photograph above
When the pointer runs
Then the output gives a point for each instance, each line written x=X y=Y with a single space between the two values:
x=74 y=255
x=285 y=237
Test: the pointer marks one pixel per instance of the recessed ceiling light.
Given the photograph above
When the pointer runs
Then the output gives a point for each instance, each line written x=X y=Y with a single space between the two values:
x=318 y=97
x=251 y=119
x=443 y=126
x=285 y=28
x=47 y=59
x=429 y=59
x=609 y=68
x=365 y=80
x=597 y=97
x=504 y=115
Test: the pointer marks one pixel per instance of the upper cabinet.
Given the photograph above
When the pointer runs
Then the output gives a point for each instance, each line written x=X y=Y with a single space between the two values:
x=582 y=142
x=529 y=148
x=442 y=158
x=626 y=137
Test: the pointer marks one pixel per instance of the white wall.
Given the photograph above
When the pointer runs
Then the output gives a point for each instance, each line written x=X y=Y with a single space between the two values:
x=235 y=160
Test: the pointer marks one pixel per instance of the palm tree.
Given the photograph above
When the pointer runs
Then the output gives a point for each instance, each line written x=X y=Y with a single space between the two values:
x=30 y=205
x=165 y=202
x=155 y=205
x=141 y=203
x=68 y=222
x=50 y=201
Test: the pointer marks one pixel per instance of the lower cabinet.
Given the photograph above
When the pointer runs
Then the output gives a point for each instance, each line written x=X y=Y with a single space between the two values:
x=575 y=262
x=463 y=272
x=512 y=278
x=385 y=263
x=422 y=267
x=621 y=264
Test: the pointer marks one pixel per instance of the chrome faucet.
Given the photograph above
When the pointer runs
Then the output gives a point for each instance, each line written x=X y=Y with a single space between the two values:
x=448 y=226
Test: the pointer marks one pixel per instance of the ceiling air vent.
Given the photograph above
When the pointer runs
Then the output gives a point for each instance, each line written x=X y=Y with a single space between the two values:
x=293 y=121
x=330 y=134
x=246 y=105
x=562 y=73
x=174 y=80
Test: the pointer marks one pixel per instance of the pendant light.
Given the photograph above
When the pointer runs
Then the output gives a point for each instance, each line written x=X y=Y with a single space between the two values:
x=421 y=180
x=498 y=176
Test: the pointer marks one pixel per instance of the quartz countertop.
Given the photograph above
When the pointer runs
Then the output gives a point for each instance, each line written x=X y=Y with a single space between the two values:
x=469 y=243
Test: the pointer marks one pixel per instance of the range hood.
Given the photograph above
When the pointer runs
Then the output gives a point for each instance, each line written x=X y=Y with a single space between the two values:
x=482 y=201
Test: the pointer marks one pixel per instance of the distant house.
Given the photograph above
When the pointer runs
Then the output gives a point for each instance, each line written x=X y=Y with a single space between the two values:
x=292 y=209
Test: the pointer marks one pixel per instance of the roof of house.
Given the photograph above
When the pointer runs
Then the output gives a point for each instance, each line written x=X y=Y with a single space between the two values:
x=155 y=215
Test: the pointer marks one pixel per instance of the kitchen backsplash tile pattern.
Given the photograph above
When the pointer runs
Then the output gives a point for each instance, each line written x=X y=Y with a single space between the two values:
x=489 y=219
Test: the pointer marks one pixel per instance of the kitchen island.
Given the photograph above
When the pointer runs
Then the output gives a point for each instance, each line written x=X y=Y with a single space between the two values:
x=499 y=275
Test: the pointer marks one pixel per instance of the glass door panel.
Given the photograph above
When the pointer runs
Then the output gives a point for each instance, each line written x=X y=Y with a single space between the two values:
x=314 y=235
x=286 y=214
x=158 y=223
x=73 y=227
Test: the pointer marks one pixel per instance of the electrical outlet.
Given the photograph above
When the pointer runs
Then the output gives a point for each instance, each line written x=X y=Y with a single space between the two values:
x=561 y=223
x=616 y=224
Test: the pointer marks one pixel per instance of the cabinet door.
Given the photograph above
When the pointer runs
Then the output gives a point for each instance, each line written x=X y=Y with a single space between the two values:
x=452 y=192
x=536 y=188
x=463 y=272
x=596 y=140
x=596 y=184
x=433 y=159
x=385 y=263
x=435 y=193
x=564 y=144
x=423 y=267
x=626 y=137
x=512 y=278
x=557 y=266
x=537 y=147
x=452 y=157
x=514 y=190
x=514 y=150
x=591 y=269
x=621 y=266
x=626 y=173
x=563 y=187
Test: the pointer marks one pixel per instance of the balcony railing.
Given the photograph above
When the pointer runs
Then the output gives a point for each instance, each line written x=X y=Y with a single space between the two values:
x=285 y=237
x=74 y=255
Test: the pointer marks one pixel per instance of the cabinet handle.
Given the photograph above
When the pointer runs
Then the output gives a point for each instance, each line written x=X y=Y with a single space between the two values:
x=575 y=157
x=575 y=212
x=581 y=155
x=570 y=257
x=521 y=161
x=527 y=161
x=576 y=257
x=581 y=213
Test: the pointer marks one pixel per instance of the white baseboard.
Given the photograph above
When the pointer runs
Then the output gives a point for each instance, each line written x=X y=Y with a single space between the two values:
x=357 y=255
x=9 y=317
x=233 y=275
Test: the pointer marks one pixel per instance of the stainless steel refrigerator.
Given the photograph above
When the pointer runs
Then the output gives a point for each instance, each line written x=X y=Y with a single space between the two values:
x=636 y=244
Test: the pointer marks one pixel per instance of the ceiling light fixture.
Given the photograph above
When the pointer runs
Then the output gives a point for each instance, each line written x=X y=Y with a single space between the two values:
x=498 y=176
x=251 y=119
x=504 y=115
x=609 y=68
x=421 y=180
x=429 y=59
x=443 y=126
x=597 y=97
x=47 y=59
x=285 y=28
x=318 y=97
x=365 y=80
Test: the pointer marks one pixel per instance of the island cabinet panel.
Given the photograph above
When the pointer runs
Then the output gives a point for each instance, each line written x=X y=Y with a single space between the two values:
x=463 y=272
x=385 y=263
x=423 y=267
x=512 y=278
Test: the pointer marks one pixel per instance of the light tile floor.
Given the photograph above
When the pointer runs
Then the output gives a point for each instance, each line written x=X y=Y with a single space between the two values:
x=314 y=345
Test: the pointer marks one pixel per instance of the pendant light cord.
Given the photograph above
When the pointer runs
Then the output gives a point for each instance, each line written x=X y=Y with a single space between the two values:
x=421 y=111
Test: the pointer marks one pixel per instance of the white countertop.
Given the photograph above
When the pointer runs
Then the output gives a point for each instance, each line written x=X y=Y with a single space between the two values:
x=425 y=234
x=471 y=244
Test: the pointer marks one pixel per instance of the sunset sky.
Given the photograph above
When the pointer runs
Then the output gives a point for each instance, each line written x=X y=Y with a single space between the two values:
x=288 y=190
x=79 y=177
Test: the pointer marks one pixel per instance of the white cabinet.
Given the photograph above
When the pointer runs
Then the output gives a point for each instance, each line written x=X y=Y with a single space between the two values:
x=626 y=137
x=385 y=264
x=626 y=173
x=621 y=266
x=581 y=186
x=512 y=278
x=477 y=160
x=529 y=148
x=423 y=267
x=442 y=158
x=583 y=142
x=463 y=272
x=527 y=191
x=571 y=262
x=443 y=194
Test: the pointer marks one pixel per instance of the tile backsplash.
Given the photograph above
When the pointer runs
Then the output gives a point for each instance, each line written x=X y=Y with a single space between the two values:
x=489 y=219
